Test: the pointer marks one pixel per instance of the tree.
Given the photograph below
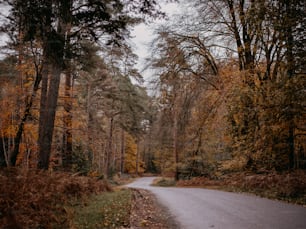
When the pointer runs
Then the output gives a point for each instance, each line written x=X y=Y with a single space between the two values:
x=183 y=64
x=88 y=20
x=261 y=103
x=34 y=59
x=261 y=31
x=133 y=165
x=8 y=81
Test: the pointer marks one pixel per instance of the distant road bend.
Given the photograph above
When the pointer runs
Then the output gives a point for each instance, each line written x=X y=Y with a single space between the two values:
x=196 y=208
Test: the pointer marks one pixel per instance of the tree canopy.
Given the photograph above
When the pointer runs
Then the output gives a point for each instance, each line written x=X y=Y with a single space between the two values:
x=229 y=82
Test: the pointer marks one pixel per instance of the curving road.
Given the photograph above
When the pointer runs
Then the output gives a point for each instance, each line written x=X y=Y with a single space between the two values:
x=196 y=208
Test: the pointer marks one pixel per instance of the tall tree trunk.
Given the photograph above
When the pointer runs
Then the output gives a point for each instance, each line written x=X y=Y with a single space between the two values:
x=67 y=119
x=108 y=169
x=175 y=144
x=43 y=108
x=89 y=117
x=67 y=135
x=137 y=156
x=27 y=112
x=289 y=39
x=54 y=49
x=122 y=151
x=50 y=88
x=235 y=29
x=13 y=155
x=291 y=144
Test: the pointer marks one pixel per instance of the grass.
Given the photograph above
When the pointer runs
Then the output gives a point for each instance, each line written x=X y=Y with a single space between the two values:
x=164 y=182
x=107 y=210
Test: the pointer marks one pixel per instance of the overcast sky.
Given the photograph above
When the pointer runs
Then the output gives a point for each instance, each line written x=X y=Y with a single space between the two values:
x=143 y=34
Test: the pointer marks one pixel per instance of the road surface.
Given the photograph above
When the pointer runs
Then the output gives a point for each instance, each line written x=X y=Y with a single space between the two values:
x=197 y=208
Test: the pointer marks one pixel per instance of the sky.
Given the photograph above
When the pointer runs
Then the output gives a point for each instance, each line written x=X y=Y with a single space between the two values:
x=3 y=38
x=143 y=34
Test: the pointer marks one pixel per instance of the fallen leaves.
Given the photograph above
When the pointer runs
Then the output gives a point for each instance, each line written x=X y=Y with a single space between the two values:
x=288 y=186
x=107 y=210
x=146 y=212
x=39 y=199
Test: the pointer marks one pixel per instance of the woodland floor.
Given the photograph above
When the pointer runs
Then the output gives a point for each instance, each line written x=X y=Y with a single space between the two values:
x=37 y=199
x=286 y=186
x=148 y=213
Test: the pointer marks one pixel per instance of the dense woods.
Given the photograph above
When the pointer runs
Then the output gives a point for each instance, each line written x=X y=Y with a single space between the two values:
x=71 y=102
x=231 y=88
x=229 y=79
x=223 y=94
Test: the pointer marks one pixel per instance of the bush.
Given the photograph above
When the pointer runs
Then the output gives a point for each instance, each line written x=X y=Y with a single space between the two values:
x=81 y=160
x=37 y=199
x=164 y=182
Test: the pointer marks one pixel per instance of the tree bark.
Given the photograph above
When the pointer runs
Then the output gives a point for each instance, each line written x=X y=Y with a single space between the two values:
x=137 y=156
x=175 y=145
x=108 y=169
x=289 y=39
x=67 y=119
x=122 y=151
x=54 y=49
x=47 y=115
x=67 y=135
x=235 y=29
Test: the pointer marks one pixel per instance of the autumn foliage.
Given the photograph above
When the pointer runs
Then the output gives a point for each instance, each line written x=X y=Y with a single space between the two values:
x=287 y=186
x=39 y=199
x=229 y=98
x=231 y=85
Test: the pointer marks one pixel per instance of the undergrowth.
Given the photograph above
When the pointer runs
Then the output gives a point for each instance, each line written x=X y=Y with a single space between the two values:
x=287 y=186
x=39 y=199
x=107 y=210
x=290 y=186
x=164 y=182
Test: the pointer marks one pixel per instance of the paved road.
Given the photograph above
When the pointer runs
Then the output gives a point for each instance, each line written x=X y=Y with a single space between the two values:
x=196 y=208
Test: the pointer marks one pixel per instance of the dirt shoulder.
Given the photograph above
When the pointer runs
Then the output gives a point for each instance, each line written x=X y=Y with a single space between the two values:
x=147 y=212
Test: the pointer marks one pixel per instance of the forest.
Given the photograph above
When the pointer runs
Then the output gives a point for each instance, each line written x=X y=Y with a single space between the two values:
x=228 y=79
x=225 y=95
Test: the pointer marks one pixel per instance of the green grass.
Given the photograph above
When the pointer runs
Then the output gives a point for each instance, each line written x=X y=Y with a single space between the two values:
x=107 y=210
x=164 y=182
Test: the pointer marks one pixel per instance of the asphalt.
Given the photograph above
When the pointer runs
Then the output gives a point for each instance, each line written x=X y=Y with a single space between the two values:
x=197 y=208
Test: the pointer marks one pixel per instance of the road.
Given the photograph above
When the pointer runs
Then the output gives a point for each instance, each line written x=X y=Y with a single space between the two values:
x=197 y=208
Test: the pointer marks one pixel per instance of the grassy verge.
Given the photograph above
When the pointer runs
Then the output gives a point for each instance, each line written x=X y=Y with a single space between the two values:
x=164 y=182
x=287 y=186
x=107 y=210
x=272 y=194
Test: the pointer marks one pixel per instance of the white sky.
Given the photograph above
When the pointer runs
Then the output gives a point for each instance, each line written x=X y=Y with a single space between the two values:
x=143 y=34
x=3 y=37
